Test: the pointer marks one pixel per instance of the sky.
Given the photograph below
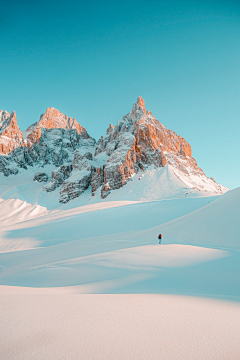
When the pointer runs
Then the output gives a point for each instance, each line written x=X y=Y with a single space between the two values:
x=92 y=59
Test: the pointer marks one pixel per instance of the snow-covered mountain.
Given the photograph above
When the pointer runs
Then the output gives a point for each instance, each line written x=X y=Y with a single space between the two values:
x=58 y=153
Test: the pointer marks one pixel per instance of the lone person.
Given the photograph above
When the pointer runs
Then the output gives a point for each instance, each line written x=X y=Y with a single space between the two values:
x=160 y=238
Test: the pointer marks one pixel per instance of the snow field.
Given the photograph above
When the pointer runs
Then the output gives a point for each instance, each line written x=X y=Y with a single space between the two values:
x=91 y=282
x=135 y=327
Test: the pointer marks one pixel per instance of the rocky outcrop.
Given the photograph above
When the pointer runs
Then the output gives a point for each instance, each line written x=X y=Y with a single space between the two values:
x=58 y=177
x=97 y=179
x=80 y=162
x=72 y=189
x=40 y=177
x=105 y=190
x=80 y=178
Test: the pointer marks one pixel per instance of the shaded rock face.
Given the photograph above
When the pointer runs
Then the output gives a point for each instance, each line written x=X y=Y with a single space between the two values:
x=58 y=177
x=80 y=178
x=73 y=189
x=105 y=190
x=97 y=179
x=40 y=177
x=80 y=162
x=137 y=141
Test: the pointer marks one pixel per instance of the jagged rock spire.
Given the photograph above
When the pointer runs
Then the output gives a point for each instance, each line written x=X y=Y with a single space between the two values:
x=141 y=102
x=139 y=109
x=109 y=129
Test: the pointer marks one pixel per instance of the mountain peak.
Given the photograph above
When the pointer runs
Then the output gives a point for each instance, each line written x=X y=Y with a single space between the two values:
x=109 y=129
x=10 y=134
x=51 y=110
x=54 y=119
x=139 y=107
x=140 y=101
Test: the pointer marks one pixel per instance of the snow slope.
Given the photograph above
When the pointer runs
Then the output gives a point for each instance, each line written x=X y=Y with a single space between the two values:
x=113 y=249
x=165 y=183
x=152 y=185
x=214 y=225
x=91 y=221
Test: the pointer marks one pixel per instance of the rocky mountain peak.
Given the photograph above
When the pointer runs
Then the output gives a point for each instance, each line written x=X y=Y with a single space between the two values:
x=139 y=108
x=54 y=119
x=10 y=134
x=141 y=103
x=110 y=128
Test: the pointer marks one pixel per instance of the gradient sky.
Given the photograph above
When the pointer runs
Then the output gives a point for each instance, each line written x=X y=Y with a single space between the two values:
x=92 y=59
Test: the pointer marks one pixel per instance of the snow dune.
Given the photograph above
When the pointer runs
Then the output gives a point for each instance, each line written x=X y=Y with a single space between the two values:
x=93 y=220
x=15 y=211
x=214 y=225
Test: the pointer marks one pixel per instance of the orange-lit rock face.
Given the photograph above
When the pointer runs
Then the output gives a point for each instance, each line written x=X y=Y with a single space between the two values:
x=138 y=109
x=151 y=135
x=137 y=141
x=53 y=119
x=10 y=134
x=141 y=103
x=34 y=135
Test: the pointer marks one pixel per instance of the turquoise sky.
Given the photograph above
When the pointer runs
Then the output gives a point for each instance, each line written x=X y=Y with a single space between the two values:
x=92 y=59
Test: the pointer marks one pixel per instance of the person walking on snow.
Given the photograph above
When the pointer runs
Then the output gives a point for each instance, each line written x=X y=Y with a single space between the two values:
x=160 y=238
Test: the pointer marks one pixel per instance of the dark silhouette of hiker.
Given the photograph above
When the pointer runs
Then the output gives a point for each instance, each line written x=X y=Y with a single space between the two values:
x=160 y=238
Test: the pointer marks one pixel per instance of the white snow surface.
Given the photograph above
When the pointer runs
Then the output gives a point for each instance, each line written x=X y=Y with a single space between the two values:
x=100 y=327
x=91 y=281
x=112 y=246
